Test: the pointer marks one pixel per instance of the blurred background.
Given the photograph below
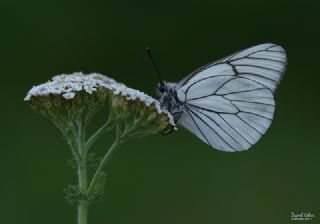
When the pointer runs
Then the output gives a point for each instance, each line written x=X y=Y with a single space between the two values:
x=159 y=179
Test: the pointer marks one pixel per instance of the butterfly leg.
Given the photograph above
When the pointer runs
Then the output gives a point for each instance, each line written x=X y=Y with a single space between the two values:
x=176 y=117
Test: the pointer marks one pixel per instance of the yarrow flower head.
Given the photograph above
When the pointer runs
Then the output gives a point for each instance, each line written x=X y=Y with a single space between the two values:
x=67 y=98
x=70 y=102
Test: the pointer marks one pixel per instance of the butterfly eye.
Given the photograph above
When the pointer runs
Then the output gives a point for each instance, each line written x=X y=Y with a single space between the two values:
x=161 y=89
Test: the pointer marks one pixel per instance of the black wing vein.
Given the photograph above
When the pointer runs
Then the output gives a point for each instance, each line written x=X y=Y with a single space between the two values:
x=223 y=128
x=212 y=129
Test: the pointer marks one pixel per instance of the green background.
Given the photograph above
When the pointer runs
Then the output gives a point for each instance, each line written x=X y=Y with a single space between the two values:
x=159 y=179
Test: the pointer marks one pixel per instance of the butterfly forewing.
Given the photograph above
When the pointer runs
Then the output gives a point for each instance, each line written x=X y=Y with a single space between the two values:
x=229 y=104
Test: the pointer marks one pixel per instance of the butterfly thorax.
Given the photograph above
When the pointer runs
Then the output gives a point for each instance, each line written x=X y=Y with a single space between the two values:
x=168 y=99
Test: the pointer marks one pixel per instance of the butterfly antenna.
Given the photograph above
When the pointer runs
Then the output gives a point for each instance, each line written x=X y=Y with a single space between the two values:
x=154 y=63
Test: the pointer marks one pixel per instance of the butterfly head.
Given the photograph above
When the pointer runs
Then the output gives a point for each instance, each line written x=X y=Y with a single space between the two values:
x=160 y=89
x=165 y=88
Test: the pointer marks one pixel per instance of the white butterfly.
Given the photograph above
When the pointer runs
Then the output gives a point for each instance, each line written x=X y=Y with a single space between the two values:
x=229 y=104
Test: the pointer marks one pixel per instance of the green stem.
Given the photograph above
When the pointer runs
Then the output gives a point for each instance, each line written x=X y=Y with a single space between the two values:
x=83 y=205
x=99 y=171
x=93 y=138
x=82 y=213
x=82 y=173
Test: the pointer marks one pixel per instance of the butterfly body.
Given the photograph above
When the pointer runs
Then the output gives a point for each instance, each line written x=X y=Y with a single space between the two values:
x=168 y=99
x=229 y=104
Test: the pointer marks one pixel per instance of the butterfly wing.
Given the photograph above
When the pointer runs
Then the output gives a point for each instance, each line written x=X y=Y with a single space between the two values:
x=229 y=104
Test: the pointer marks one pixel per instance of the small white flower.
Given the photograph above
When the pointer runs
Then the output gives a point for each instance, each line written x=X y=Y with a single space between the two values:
x=69 y=95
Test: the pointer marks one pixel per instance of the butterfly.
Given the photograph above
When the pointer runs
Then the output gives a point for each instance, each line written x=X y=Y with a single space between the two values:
x=229 y=104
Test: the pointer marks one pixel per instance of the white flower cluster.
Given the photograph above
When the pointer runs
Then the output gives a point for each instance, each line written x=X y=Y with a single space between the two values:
x=68 y=85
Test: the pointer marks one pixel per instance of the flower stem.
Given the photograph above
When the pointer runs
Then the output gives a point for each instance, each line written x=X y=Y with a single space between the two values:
x=96 y=135
x=82 y=173
x=83 y=205
x=105 y=159
x=82 y=213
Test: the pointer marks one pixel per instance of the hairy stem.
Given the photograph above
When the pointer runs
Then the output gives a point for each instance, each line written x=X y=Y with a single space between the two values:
x=99 y=171
x=93 y=138
x=82 y=172
x=83 y=205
